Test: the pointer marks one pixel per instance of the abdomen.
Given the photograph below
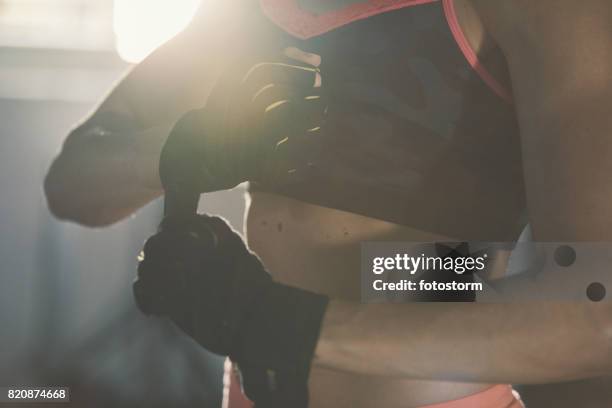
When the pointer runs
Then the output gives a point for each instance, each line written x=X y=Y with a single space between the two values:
x=318 y=249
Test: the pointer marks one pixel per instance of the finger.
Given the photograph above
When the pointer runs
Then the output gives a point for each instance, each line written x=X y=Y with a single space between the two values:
x=165 y=256
x=225 y=236
x=314 y=60
x=267 y=73
x=162 y=284
x=294 y=118
x=141 y=297
x=151 y=289
x=302 y=56
x=166 y=245
x=154 y=245
x=156 y=274
x=270 y=95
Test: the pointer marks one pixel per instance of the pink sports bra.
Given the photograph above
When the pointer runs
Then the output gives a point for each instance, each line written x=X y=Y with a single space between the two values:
x=418 y=132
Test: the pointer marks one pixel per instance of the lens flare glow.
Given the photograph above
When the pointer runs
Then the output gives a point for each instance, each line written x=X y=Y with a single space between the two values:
x=142 y=25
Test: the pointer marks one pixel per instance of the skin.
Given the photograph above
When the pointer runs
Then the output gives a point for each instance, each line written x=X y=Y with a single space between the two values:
x=562 y=92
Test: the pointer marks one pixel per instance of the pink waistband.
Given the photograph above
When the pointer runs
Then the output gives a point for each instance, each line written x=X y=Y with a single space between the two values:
x=498 y=396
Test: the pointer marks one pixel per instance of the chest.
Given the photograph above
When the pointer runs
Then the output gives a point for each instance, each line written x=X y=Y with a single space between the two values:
x=394 y=58
x=406 y=111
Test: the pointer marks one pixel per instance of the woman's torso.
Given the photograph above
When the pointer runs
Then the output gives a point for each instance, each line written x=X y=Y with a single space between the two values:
x=417 y=147
x=318 y=249
x=417 y=132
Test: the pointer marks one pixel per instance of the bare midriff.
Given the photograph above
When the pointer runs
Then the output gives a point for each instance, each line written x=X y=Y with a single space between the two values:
x=318 y=249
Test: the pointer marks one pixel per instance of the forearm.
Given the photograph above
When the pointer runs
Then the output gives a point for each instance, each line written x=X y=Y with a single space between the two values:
x=495 y=343
x=99 y=180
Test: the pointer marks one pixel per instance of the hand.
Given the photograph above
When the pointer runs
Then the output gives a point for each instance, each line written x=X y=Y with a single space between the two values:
x=200 y=274
x=240 y=134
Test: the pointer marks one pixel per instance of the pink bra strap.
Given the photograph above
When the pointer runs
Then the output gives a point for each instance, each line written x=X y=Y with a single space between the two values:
x=470 y=55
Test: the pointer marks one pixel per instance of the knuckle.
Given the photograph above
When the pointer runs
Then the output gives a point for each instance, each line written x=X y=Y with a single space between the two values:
x=256 y=71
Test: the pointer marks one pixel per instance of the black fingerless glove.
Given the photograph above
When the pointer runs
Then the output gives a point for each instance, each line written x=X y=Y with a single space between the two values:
x=202 y=276
x=247 y=117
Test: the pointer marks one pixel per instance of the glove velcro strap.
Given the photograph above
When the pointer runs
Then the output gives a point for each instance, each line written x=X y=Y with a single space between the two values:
x=273 y=389
x=282 y=330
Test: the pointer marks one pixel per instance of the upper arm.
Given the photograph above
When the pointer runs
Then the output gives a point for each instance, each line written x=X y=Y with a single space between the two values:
x=178 y=76
x=560 y=57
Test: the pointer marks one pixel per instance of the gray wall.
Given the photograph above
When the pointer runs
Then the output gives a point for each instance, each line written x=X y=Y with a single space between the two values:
x=66 y=312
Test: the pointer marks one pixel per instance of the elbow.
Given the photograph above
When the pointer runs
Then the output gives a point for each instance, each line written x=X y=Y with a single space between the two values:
x=65 y=201
x=56 y=195
x=64 y=208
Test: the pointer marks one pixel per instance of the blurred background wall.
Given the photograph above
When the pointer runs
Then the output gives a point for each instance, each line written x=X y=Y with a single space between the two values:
x=66 y=313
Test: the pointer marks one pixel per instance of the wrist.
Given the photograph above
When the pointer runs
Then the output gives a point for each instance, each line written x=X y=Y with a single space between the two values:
x=283 y=330
x=332 y=342
x=148 y=144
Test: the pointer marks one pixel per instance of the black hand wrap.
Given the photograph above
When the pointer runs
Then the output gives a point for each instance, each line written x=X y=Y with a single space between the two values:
x=280 y=338
x=201 y=275
x=247 y=118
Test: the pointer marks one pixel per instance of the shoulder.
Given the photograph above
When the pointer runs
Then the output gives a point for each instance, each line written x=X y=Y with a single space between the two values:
x=517 y=24
x=558 y=50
